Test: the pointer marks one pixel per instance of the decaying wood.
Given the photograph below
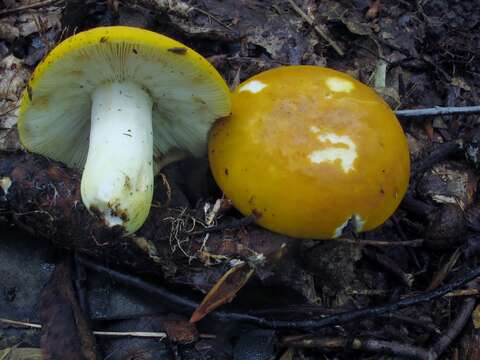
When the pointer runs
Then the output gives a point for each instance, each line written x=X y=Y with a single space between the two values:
x=44 y=198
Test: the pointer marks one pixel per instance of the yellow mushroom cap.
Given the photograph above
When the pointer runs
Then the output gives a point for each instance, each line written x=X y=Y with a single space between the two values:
x=310 y=149
x=188 y=93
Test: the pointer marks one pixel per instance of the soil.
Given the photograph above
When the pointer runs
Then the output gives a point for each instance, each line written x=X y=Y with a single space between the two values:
x=401 y=291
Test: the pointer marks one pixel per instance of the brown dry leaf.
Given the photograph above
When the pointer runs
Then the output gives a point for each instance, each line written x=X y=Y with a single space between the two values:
x=223 y=291
x=13 y=78
x=461 y=83
x=444 y=271
x=373 y=10
x=288 y=355
x=476 y=317
x=21 y=354
x=179 y=330
x=65 y=331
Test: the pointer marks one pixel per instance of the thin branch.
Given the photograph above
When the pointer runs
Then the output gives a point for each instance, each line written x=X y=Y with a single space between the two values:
x=409 y=243
x=206 y=13
x=438 y=110
x=28 y=7
x=341 y=318
x=20 y=323
x=389 y=347
x=454 y=328
x=463 y=293
x=390 y=265
x=234 y=224
x=308 y=19
x=350 y=316
x=144 y=334
x=372 y=345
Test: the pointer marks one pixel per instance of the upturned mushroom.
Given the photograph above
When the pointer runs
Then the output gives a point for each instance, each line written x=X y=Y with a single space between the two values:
x=310 y=150
x=111 y=100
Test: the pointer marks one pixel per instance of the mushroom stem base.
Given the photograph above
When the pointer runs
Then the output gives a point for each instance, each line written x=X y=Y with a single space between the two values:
x=117 y=181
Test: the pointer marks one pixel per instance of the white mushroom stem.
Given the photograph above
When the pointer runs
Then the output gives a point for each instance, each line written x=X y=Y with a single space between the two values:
x=117 y=181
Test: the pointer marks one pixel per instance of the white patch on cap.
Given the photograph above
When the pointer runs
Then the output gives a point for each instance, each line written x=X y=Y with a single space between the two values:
x=340 y=85
x=358 y=222
x=253 y=86
x=339 y=230
x=314 y=129
x=346 y=156
x=5 y=184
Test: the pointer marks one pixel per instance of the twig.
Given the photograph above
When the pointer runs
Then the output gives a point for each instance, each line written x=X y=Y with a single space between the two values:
x=8 y=111
x=144 y=334
x=350 y=316
x=394 y=348
x=372 y=345
x=438 y=110
x=454 y=329
x=27 y=7
x=234 y=224
x=390 y=265
x=444 y=271
x=341 y=318
x=389 y=347
x=308 y=19
x=465 y=292
x=206 y=13
x=20 y=323
x=410 y=243
x=429 y=326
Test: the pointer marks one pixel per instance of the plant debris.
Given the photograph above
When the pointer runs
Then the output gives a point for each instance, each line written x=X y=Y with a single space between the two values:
x=406 y=289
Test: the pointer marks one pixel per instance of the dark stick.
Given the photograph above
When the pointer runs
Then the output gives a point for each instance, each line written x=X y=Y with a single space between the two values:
x=28 y=7
x=429 y=326
x=79 y=284
x=179 y=302
x=454 y=329
x=372 y=345
x=438 y=110
x=185 y=304
x=349 y=316
x=394 y=348
x=390 y=347
x=336 y=319
x=390 y=265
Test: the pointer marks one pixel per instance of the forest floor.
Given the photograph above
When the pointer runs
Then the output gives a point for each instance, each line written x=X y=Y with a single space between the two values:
x=407 y=289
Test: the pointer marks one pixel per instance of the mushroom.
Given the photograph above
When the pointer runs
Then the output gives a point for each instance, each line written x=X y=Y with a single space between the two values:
x=310 y=150
x=111 y=100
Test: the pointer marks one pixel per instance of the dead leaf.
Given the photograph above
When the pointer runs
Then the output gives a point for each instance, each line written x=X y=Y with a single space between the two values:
x=476 y=317
x=21 y=354
x=224 y=290
x=373 y=10
x=65 y=332
x=461 y=83
x=180 y=330
x=288 y=355
x=8 y=32
x=13 y=78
